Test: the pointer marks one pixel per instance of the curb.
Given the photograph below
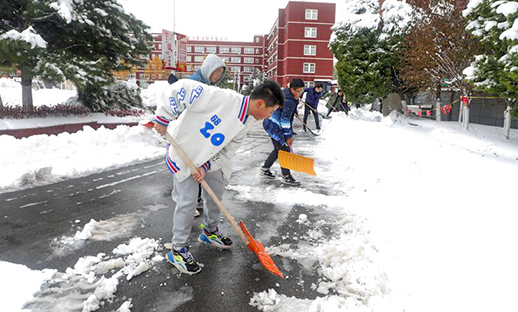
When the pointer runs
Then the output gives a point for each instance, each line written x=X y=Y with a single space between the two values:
x=70 y=128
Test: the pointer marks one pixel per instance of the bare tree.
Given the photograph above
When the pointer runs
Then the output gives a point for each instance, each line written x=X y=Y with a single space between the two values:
x=439 y=48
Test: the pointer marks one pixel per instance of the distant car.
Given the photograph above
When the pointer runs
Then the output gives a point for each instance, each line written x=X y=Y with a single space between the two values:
x=423 y=108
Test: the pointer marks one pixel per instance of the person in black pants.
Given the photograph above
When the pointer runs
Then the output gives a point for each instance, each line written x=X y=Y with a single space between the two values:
x=313 y=96
x=279 y=128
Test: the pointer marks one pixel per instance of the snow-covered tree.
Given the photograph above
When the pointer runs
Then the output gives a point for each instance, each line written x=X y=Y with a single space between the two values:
x=366 y=44
x=495 y=70
x=84 y=41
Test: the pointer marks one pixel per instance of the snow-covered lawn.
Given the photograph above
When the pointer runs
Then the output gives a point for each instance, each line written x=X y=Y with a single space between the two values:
x=423 y=214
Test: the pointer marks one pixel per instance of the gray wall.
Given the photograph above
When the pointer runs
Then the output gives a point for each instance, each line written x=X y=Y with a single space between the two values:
x=482 y=111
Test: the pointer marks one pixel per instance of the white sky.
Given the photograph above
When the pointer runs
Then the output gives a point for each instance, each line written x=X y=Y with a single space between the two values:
x=231 y=19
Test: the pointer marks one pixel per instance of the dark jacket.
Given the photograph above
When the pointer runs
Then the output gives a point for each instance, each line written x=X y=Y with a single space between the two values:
x=312 y=97
x=278 y=125
x=335 y=101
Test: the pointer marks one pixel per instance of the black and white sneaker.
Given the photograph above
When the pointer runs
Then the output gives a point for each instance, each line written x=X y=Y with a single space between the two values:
x=289 y=180
x=265 y=172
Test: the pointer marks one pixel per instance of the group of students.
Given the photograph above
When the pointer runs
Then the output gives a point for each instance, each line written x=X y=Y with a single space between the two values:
x=209 y=124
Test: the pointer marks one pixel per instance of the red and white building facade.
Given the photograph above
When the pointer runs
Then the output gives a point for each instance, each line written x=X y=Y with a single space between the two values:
x=297 y=45
x=241 y=58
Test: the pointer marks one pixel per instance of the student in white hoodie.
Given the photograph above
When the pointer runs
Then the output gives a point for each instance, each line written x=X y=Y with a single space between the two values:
x=212 y=124
x=211 y=72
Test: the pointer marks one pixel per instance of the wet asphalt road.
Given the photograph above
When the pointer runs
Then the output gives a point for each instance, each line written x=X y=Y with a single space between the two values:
x=31 y=220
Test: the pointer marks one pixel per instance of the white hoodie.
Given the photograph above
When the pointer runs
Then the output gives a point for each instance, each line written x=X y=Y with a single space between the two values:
x=212 y=125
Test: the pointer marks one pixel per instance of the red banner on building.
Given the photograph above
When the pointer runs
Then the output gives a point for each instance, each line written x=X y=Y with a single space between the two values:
x=181 y=62
x=168 y=49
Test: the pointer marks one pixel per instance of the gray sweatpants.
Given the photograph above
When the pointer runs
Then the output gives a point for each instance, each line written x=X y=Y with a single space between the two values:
x=185 y=195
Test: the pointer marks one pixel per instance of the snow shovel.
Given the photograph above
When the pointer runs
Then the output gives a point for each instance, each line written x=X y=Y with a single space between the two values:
x=315 y=110
x=307 y=127
x=297 y=162
x=242 y=231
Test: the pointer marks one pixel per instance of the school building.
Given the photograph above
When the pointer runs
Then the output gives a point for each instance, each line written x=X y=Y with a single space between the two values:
x=295 y=47
x=297 y=44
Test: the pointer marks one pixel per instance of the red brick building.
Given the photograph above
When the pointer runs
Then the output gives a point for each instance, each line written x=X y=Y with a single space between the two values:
x=241 y=58
x=297 y=45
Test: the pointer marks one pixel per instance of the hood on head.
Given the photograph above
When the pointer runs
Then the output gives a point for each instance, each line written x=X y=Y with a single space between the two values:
x=210 y=64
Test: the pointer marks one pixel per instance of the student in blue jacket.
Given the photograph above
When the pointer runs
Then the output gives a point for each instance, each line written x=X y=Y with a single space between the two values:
x=313 y=96
x=279 y=129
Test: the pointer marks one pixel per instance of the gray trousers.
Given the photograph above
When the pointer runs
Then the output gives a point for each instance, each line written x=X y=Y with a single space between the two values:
x=185 y=195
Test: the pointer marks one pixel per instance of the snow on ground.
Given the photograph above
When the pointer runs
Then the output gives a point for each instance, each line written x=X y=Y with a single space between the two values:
x=11 y=93
x=43 y=159
x=421 y=215
x=424 y=219
x=92 y=280
x=23 y=283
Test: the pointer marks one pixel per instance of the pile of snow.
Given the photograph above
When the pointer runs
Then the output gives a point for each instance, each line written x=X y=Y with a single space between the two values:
x=151 y=95
x=42 y=159
x=23 y=284
x=92 y=280
x=418 y=213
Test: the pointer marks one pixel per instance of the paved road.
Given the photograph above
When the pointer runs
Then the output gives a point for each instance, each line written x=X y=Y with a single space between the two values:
x=136 y=202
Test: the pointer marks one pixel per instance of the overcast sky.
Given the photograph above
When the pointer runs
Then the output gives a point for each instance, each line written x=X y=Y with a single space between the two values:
x=231 y=19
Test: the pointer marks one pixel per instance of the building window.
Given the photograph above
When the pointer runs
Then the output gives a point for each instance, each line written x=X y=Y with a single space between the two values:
x=257 y=39
x=256 y=51
x=235 y=60
x=309 y=68
x=188 y=58
x=224 y=50
x=226 y=59
x=199 y=49
x=159 y=47
x=234 y=69
x=198 y=58
x=188 y=48
x=246 y=78
x=236 y=50
x=211 y=49
x=257 y=61
x=311 y=14
x=248 y=51
x=309 y=84
x=310 y=50
x=310 y=32
x=248 y=69
x=248 y=60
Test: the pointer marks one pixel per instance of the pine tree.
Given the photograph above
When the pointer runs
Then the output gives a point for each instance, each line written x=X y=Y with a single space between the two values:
x=367 y=48
x=83 y=41
x=495 y=70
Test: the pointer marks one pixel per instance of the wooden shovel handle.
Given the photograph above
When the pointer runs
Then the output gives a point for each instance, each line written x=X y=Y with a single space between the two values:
x=207 y=188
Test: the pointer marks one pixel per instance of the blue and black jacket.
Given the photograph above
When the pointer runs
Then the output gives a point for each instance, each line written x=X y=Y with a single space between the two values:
x=278 y=125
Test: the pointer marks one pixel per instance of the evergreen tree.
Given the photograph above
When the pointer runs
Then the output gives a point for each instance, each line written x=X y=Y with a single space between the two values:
x=495 y=70
x=367 y=45
x=83 y=41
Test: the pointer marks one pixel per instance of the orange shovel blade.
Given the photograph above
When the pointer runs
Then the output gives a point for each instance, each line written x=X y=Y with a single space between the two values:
x=258 y=249
x=297 y=162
